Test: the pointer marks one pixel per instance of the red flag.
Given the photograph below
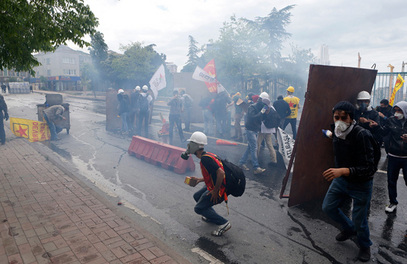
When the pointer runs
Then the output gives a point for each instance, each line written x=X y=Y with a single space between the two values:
x=211 y=70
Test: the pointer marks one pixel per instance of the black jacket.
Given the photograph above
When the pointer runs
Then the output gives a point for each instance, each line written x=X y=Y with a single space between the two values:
x=356 y=153
x=392 y=131
x=124 y=103
x=282 y=108
x=372 y=115
x=254 y=117
x=3 y=105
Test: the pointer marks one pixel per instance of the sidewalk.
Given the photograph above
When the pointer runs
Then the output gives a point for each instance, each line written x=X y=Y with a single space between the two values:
x=46 y=216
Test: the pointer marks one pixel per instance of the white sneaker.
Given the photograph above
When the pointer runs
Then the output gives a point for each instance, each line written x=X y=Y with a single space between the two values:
x=390 y=208
x=259 y=170
x=222 y=229
x=244 y=167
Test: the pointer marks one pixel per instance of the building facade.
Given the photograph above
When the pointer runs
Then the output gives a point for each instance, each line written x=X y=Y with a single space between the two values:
x=61 y=69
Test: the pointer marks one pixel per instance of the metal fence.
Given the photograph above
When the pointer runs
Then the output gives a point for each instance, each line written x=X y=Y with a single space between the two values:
x=383 y=87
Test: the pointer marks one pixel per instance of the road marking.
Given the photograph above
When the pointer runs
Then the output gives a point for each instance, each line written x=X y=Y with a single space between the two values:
x=206 y=256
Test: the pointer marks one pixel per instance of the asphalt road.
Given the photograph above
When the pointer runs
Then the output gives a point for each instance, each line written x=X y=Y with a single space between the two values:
x=264 y=229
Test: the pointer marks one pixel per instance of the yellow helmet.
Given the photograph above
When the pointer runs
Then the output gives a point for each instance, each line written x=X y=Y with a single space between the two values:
x=290 y=89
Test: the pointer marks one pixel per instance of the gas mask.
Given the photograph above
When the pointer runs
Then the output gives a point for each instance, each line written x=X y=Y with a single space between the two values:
x=363 y=106
x=191 y=149
x=398 y=115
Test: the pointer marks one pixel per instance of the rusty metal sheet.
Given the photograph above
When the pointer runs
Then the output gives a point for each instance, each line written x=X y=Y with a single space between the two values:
x=327 y=85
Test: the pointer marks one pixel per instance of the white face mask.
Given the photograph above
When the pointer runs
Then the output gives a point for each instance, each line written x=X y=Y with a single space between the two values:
x=341 y=126
x=399 y=116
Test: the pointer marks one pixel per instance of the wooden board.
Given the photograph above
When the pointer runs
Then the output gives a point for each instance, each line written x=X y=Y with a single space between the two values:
x=327 y=85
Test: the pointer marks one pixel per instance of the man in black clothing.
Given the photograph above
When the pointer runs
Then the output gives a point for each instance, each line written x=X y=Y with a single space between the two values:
x=352 y=177
x=367 y=117
x=282 y=108
x=3 y=115
x=384 y=110
x=395 y=142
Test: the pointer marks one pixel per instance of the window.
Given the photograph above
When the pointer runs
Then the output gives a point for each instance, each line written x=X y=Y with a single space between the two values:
x=48 y=61
x=48 y=72
x=68 y=60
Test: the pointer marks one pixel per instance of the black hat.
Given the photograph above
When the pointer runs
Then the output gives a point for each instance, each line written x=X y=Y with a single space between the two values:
x=345 y=106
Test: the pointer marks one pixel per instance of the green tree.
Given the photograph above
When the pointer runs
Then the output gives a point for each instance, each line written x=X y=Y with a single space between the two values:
x=275 y=24
x=193 y=57
x=136 y=66
x=99 y=55
x=40 y=25
x=239 y=53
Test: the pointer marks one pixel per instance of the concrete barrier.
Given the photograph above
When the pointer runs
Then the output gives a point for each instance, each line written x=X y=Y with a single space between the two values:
x=160 y=154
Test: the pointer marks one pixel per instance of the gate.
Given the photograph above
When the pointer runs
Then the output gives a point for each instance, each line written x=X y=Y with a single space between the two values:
x=383 y=87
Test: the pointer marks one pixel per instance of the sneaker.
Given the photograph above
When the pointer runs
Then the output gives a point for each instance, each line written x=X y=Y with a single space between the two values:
x=244 y=167
x=222 y=229
x=345 y=235
x=390 y=208
x=364 y=254
x=259 y=170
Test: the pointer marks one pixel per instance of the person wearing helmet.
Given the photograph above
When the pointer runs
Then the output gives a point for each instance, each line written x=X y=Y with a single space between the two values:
x=176 y=108
x=214 y=191
x=134 y=99
x=143 y=117
x=367 y=117
x=294 y=103
x=124 y=109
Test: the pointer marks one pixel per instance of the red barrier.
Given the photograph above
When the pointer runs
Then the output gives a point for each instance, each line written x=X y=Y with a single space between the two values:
x=158 y=153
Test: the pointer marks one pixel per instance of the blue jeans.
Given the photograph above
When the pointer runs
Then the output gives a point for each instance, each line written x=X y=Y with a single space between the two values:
x=361 y=193
x=125 y=116
x=204 y=207
x=251 y=149
x=393 y=168
x=143 y=118
x=52 y=128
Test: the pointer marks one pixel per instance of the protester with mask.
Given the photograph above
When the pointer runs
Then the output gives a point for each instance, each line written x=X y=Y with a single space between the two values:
x=395 y=132
x=214 y=177
x=384 y=110
x=367 y=117
x=352 y=177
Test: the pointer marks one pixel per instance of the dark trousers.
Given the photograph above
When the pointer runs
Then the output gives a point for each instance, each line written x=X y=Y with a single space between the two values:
x=187 y=118
x=293 y=123
x=175 y=119
x=143 y=117
x=393 y=168
x=2 y=132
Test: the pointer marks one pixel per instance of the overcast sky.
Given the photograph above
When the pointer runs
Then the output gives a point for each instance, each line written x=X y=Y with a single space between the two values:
x=375 y=28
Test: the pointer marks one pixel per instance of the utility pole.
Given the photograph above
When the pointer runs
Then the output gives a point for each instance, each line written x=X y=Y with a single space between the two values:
x=402 y=66
x=359 y=60
x=391 y=79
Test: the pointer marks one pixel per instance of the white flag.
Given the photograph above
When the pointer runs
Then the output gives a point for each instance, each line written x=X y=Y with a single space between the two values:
x=201 y=75
x=158 y=81
x=285 y=145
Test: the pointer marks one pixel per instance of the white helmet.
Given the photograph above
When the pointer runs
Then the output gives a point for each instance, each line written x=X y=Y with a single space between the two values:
x=198 y=138
x=363 y=95
x=137 y=88
x=120 y=91
x=264 y=95
x=145 y=88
